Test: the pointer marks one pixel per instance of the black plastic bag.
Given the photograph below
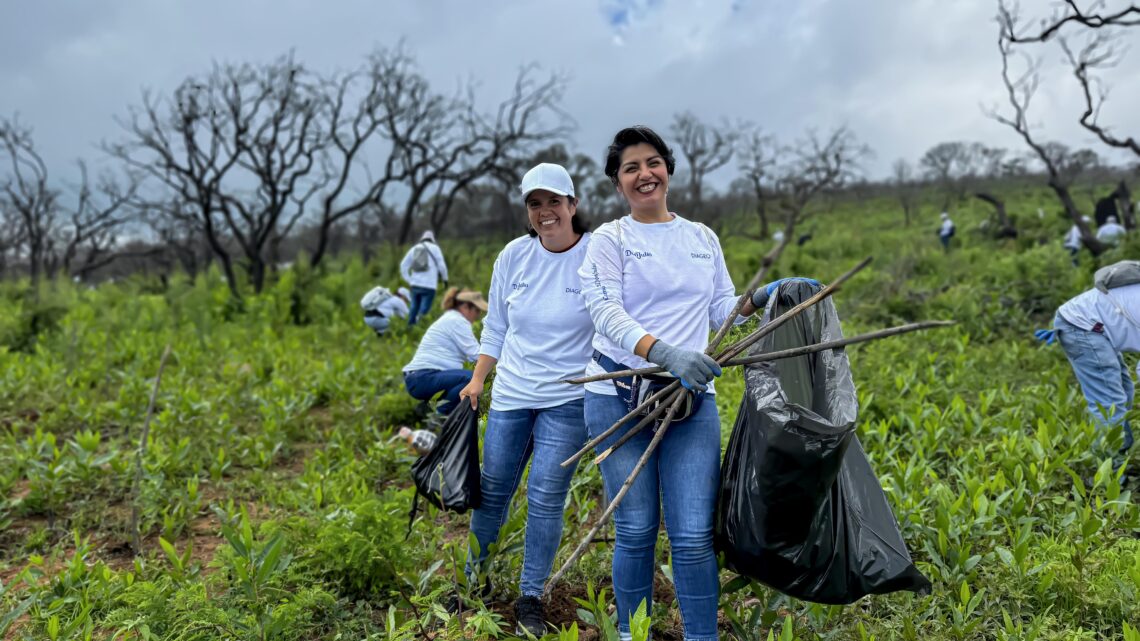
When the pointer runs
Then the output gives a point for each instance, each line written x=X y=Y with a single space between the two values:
x=800 y=508
x=448 y=475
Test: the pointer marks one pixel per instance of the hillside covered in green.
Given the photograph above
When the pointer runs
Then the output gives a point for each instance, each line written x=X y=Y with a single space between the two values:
x=272 y=501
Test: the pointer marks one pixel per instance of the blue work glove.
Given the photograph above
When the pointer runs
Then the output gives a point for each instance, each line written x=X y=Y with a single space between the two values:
x=762 y=294
x=1047 y=336
x=693 y=368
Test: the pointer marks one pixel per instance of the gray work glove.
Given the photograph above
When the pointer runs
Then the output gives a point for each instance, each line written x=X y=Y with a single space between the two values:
x=694 y=369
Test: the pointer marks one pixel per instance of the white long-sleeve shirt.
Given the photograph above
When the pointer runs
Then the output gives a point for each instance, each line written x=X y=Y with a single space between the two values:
x=393 y=307
x=1118 y=311
x=1110 y=232
x=437 y=267
x=665 y=279
x=537 y=325
x=1073 y=239
x=447 y=344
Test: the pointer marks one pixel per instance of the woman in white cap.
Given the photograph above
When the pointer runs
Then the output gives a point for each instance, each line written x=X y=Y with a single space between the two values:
x=422 y=268
x=537 y=333
x=381 y=306
x=447 y=344
x=1111 y=231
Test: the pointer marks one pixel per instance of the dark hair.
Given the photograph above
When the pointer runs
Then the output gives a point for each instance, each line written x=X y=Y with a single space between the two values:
x=578 y=225
x=629 y=137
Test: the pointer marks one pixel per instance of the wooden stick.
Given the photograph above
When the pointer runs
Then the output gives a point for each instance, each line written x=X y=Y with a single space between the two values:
x=811 y=349
x=842 y=342
x=585 y=543
x=637 y=428
x=136 y=541
x=735 y=349
x=765 y=264
x=621 y=421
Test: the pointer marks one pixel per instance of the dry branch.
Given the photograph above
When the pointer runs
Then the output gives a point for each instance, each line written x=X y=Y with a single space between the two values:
x=136 y=543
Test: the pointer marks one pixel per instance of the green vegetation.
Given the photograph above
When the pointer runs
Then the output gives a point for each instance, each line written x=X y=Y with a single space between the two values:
x=273 y=505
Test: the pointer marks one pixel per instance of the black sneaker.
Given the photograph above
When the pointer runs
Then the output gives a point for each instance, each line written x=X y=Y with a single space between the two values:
x=530 y=617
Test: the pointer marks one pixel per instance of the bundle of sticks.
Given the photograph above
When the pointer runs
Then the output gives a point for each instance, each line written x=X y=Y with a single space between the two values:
x=674 y=395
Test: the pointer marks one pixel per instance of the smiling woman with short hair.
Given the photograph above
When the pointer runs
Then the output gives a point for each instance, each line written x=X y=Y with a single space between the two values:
x=655 y=283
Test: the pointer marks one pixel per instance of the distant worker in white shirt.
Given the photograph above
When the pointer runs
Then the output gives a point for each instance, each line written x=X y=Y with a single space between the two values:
x=447 y=344
x=1111 y=231
x=381 y=306
x=1073 y=239
x=946 y=231
x=537 y=333
x=422 y=268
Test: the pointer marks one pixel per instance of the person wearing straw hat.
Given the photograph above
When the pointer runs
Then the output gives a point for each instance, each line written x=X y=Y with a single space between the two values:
x=448 y=343
x=422 y=268
x=537 y=333
x=654 y=284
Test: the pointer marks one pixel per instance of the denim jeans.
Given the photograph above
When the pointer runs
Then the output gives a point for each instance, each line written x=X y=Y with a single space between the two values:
x=423 y=384
x=420 y=305
x=681 y=477
x=378 y=323
x=1104 y=378
x=552 y=434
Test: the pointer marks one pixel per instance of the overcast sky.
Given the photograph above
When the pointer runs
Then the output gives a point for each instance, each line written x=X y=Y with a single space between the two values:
x=903 y=74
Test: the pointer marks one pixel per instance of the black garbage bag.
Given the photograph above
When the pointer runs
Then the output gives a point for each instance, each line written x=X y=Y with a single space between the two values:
x=448 y=475
x=799 y=507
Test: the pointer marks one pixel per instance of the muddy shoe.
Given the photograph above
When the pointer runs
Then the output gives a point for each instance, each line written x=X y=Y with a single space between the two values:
x=530 y=616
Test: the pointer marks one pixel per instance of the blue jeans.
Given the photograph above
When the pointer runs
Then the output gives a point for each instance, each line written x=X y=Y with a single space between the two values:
x=420 y=304
x=423 y=384
x=378 y=323
x=1104 y=378
x=681 y=476
x=553 y=434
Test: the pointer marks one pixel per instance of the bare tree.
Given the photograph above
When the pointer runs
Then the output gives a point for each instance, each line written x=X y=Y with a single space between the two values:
x=706 y=148
x=813 y=167
x=1068 y=12
x=238 y=126
x=907 y=189
x=392 y=95
x=101 y=210
x=1061 y=165
x=26 y=192
x=450 y=144
x=1100 y=28
x=758 y=155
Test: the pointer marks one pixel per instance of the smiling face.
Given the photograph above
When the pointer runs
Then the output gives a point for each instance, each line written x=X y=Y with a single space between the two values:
x=551 y=216
x=643 y=179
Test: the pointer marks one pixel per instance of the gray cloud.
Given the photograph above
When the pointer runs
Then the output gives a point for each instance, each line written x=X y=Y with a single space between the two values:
x=902 y=75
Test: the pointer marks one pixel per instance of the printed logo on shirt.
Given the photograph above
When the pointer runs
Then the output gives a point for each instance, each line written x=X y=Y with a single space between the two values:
x=598 y=281
x=519 y=285
x=573 y=290
x=638 y=255
x=700 y=256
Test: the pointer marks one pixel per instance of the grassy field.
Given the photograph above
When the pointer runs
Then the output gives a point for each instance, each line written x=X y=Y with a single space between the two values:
x=273 y=505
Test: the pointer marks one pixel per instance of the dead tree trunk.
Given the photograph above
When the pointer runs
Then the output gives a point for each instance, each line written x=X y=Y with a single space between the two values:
x=1005 y=227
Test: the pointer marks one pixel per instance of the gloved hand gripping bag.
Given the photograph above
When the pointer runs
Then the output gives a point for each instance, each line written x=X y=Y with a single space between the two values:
x=800 y=508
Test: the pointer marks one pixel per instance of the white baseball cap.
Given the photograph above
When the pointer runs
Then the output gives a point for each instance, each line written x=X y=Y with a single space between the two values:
x=548 y=176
